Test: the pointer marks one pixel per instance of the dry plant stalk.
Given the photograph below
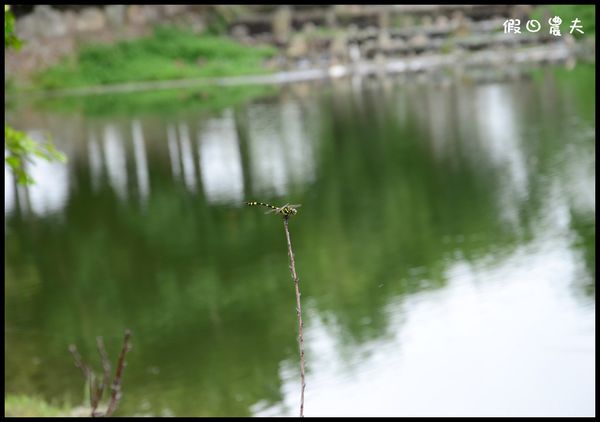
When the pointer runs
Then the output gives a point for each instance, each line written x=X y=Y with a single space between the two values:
x=286 y=211
x=298 y=310
x=97 y=387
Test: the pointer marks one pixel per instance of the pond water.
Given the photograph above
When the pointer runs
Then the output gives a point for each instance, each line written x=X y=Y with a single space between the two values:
x=445 y=249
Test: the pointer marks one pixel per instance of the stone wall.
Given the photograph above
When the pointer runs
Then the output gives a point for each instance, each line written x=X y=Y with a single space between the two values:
x=312 y=35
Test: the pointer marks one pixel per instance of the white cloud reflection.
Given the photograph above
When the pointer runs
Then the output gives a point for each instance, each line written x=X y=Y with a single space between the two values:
x=141 y=164
x=51 y=189
x=115 y=159
x=438 y=361
x=281 y=151
x=220 y=161
x=501 y=138
x=9 y=189
x=95 y=161
x=174 y=151
x=267 y=154
x=187 y=157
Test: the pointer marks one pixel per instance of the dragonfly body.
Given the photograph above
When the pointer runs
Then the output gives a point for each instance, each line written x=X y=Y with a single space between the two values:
x=285 y=210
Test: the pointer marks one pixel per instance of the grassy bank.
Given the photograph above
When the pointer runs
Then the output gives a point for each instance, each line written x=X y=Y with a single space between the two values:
x=170 y=53
x=22 y=406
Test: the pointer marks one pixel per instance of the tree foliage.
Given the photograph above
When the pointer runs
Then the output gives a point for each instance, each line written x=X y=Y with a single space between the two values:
x=20 y=148
x=10 y=39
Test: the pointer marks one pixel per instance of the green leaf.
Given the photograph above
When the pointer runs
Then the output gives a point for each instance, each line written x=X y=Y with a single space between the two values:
x=22 y=148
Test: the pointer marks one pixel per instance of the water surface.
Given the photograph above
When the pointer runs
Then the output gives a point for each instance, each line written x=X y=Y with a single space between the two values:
x=445 y=247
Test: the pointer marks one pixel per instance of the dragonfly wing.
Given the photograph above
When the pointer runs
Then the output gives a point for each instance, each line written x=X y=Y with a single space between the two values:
x=273 y=210
x=295 y=205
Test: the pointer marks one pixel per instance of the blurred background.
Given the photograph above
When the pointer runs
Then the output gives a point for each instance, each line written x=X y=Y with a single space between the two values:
x=445 y=244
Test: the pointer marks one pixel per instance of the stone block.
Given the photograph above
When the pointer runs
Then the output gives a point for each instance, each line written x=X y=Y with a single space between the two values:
x=91 y=19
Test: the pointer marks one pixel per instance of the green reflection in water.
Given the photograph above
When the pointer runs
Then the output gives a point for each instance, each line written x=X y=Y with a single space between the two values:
x=169 y=102
x=396 y=199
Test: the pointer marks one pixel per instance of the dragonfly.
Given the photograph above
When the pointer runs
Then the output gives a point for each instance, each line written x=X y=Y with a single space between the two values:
x=285 y=210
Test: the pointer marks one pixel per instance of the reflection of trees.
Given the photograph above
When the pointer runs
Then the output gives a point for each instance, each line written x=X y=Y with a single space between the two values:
x=189 y=292
x=396 y=214
x=574 y=164
x=584 y=228
x=167 y=102
x=206 y=290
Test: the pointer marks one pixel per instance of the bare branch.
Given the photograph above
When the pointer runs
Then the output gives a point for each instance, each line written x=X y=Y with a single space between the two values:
x=97 y=387
x=78 y=363
x=298 y=310
x=116 y=386
x=286 y=211
x=105 y=366
x=94 y=395
x=88 y=375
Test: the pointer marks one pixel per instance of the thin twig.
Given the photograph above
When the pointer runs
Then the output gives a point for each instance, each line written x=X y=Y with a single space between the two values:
x=95 y=393
x=89 y=376
x=106 y=368
x=97 y=387
x=298 y=310
x=78 y=363
x=116 y=386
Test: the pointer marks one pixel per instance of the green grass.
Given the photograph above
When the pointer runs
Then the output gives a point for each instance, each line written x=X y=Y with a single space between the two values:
x=22 y=406
x=170 y=53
